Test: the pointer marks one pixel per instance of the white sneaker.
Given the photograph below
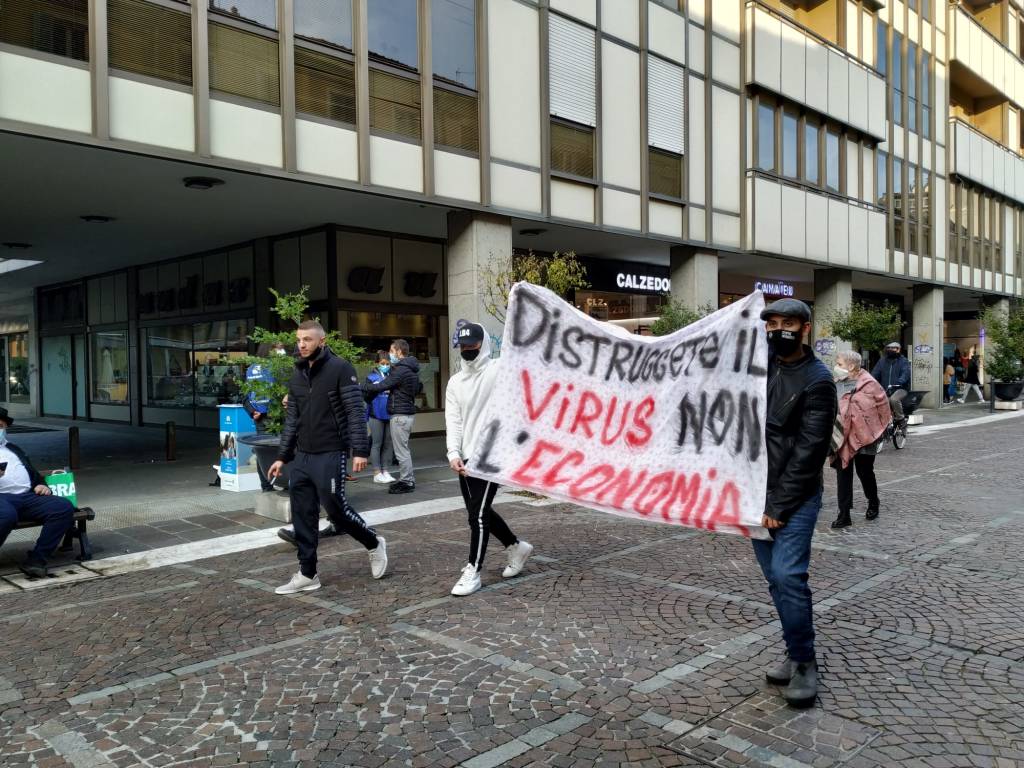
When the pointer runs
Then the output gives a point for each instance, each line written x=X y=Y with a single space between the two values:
x=379 y=558
x=389 y=478
x=299 y=583
x=468 y=583
x=380 y=478
x=518 y=554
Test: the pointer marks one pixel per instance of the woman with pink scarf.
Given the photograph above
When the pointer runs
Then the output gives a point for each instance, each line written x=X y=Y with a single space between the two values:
x=865 y=413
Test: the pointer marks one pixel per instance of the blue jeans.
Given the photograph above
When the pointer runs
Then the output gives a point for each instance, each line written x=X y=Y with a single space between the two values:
x=54 y=513
x=784 y=561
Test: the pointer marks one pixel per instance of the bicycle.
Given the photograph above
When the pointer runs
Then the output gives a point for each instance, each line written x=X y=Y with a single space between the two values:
x=896 y=433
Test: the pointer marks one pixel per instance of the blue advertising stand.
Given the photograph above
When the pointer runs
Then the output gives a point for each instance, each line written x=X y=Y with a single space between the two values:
x=237 y=462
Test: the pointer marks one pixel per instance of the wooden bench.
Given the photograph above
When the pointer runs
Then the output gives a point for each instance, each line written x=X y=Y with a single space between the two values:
x=77 y=531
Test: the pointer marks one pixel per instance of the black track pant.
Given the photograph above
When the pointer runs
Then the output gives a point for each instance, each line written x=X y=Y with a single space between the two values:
x=483 y=520
x=865 y=466
x=315 y=479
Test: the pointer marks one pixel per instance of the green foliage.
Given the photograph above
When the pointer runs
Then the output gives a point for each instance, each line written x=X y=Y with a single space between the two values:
x=1004 y=343
x=675 y=315
x=559 y=272
x=290 y=307
x=867 y=327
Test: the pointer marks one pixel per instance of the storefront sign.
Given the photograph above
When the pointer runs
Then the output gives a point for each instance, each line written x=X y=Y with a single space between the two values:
x=634 y=282
x=366 y=280
x=776 y=288
x=667 y=429
x=421 y=285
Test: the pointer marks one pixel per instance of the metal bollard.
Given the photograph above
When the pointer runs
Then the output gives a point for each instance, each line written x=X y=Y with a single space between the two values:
x=74 y=454
x=171 y=441
x=991 y=397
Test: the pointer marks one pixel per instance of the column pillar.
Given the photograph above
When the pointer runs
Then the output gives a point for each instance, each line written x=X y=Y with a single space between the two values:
x=833 y=291
x=476 y=242
x=694 y=276
x=926 y=342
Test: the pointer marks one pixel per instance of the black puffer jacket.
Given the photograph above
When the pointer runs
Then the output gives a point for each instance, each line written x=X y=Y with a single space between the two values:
x=801 y=411
x=403 y=381
x=325 y=409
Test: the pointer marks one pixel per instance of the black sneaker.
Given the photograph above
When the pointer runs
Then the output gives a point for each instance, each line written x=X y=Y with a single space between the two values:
x=329 y=531
x=288 y=534
x=871 y=514
x=402 y=487
x=34 y=568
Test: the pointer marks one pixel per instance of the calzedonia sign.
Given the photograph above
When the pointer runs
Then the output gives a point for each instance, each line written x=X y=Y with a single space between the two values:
x=626 y=276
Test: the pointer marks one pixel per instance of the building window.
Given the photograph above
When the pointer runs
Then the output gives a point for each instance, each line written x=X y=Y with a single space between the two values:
x=790 y=142
x=881 y=49
x=926 y=213
x=675 y=5
x=197 y=365
x=14 y=368
x=244 y=64
x=897 y=78
x=811 y=152
x=151 y=40
x=881 y=180
x=912 y=72
x=109 y=355
x=899 y=206
x=262 y=12
x=666 y=173
x=392 y=33
x=975 y=230
x=325 y=86
x=926 y=96
x=765 y=136
x=832 y=162
x=325 y=21
x=395 y=104
x=58 y=27
x=926 y=10
x=572 y=149
x=912 y=209
x=453 y=47
x=997 y=236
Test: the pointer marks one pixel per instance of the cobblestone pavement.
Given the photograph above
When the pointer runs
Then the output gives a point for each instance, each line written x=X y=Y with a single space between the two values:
x=622 y=644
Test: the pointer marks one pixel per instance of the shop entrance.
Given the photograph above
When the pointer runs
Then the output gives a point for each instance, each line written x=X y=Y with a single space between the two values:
x=64 y=376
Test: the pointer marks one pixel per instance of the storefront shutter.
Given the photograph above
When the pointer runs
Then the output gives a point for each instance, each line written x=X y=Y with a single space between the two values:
x=59 y=27
x=455 y=120
x=244 y=64
x=572 y=63
x=149 y=39
x=666 y=105
x=325 y=86
x=394 y=104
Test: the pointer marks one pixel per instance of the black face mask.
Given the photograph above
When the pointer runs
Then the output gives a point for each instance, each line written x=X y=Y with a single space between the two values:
x=469 y=355
x=892 y=354
x=784 y=343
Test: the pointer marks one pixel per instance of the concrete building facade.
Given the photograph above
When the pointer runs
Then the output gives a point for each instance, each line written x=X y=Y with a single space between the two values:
x=169 y=162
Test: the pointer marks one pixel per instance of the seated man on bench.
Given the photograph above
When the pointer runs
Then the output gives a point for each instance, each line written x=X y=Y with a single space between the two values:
x=25 y=497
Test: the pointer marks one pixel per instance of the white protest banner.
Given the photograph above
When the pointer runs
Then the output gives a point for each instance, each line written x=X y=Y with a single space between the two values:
x=668 y=428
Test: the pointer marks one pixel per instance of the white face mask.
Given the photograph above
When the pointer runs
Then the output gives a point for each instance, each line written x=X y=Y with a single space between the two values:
x=841 y=373
x=280 y=352
x=3 y=436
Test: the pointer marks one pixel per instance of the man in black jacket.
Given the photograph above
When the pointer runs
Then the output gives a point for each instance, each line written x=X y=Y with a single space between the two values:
x=798 y=430
x=893 y=373
x=403 y=382
x=24 y=496
x=325 y=418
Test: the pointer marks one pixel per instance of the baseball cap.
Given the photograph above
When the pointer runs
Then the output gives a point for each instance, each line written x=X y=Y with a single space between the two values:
x=468 y=333
x=787 y=308
x=893 y=344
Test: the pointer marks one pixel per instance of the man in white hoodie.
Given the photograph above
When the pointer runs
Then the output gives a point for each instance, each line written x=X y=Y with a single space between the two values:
x=468 y=391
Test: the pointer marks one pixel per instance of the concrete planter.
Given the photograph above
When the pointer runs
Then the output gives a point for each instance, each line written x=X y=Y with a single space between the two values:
x=1008 y=390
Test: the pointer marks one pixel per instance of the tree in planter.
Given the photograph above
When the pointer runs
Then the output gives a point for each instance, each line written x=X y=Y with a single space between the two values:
x=559 y=273
x=867 y=327
x=291 y=308
x=675 y=315
x=1004 y=342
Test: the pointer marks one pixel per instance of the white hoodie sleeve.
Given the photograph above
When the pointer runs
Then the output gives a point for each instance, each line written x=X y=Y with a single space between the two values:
x=453 y=419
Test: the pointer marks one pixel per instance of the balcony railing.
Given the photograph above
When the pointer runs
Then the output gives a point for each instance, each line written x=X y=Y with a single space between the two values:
x=1005 y=73
x=786 y=57
x=1004 y=174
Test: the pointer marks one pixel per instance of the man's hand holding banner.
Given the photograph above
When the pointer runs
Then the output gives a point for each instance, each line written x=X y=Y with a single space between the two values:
x=668 y=429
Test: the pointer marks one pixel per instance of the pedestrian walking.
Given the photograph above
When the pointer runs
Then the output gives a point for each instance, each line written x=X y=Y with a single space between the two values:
x=382 y=452
x=325 y=422
x=893 y=373
x=801 y=411
x=468 y=391
x=973 y=380
x=948 y=381
x=864 y=413
x=403 y=383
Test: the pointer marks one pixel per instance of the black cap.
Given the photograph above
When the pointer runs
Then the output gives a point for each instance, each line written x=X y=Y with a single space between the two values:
x=469 y=333
x=788 y=308
x=5 y=417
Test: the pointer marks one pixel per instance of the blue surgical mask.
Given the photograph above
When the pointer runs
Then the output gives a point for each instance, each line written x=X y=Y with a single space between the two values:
x=3 y=436
x=393 y=357
x=384 y=368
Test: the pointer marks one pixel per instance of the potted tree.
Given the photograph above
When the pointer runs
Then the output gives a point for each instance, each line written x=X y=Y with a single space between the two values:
x=867 y=327
x=1004 y=351
x=292 y=309
x=675 y=315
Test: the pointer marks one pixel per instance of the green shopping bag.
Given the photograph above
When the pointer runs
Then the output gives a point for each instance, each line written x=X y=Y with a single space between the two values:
x=63 y=484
